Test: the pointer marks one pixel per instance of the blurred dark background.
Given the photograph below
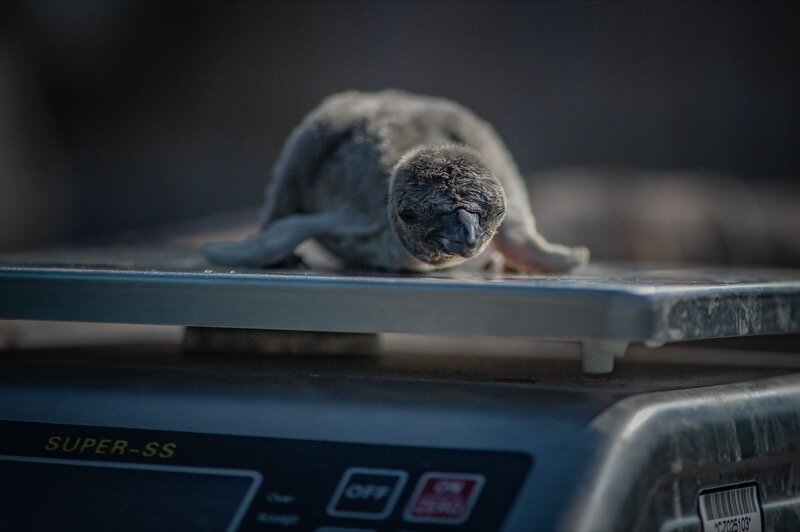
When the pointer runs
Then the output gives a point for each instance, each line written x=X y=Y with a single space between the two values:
x=649 y=131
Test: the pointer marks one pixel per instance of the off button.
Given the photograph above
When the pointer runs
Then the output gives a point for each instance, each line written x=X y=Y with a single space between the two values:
x=365 y=493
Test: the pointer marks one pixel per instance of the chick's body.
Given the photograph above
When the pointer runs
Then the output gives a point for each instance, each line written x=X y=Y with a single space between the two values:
x=337 y=181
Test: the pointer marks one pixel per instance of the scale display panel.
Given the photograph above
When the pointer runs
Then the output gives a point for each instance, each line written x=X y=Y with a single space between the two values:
x=91 y=495
x=102 y=478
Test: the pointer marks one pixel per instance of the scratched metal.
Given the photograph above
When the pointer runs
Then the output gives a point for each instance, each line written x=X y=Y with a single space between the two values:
x=170 y=284
x=650 y=455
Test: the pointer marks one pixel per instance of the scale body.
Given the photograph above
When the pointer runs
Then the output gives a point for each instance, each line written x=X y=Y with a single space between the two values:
x=159 y=437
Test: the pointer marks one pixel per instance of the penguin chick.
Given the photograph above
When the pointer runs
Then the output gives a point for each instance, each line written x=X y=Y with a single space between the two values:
x=396 y=181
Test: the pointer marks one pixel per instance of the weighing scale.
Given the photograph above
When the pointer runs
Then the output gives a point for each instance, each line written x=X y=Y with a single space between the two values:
x=283 y=410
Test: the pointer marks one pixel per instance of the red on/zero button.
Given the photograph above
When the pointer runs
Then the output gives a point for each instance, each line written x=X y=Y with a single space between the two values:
x=445 y=498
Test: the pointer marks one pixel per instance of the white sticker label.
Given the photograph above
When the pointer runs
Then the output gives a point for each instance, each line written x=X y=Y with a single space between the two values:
x=734 y=509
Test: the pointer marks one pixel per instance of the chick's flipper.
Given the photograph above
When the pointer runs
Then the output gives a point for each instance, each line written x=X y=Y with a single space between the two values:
x=528 y=252
x=275 y=244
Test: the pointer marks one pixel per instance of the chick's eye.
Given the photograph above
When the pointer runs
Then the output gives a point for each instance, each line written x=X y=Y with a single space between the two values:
x=409 y=216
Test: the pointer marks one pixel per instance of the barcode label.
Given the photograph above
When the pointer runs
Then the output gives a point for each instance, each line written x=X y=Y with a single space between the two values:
x=733 y=509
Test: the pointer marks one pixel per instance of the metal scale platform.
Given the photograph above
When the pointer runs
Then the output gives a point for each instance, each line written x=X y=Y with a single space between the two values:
x=689 y=436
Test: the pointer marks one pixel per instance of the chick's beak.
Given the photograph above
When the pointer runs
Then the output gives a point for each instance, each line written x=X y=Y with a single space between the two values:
x=462 y=233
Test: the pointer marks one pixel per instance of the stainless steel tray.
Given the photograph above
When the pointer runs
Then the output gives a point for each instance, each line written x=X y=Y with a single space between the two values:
x=604 y=306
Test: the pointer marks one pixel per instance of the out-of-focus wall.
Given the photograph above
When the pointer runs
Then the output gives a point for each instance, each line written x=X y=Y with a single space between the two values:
x=117 y=115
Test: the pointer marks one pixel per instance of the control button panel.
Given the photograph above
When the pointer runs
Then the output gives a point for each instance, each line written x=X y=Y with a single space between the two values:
x=444 y=498
x=366 y=493
x=247 y=483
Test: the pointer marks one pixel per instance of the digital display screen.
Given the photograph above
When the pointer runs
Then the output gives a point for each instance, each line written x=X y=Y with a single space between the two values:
x=52 y=494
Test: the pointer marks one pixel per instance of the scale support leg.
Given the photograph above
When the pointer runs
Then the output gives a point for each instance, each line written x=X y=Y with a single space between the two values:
x=274 y=342
x=597 y=355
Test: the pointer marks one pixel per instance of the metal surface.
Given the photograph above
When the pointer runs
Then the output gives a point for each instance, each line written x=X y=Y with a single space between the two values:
x=172 y=285
x=654 y=453
x=630 y=452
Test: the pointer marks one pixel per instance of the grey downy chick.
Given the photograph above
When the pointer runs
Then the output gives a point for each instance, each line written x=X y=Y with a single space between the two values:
x=397 y=181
